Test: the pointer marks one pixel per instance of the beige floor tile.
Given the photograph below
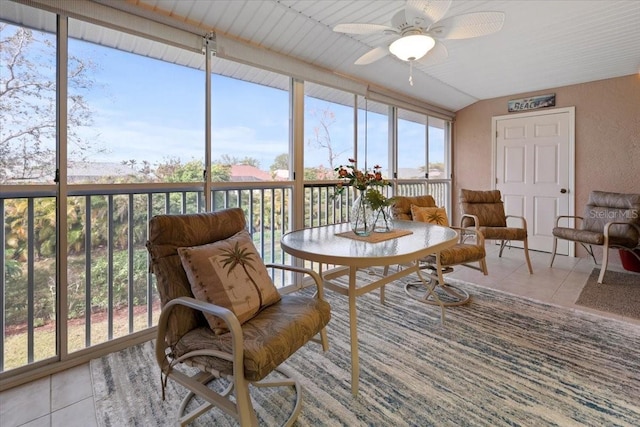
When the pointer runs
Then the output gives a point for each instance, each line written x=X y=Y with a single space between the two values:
x=540 y=295
x=25 y=403
x=563 y=262
x=39 y=422
x=70 y=386
x=79 y=414
x=569 y=292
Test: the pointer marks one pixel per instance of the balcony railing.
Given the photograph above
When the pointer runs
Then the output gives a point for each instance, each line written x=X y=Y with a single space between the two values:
x=109 y=292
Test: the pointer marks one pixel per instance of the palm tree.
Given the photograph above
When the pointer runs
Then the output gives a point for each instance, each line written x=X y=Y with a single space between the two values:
x=244 y=258
x=436 y=217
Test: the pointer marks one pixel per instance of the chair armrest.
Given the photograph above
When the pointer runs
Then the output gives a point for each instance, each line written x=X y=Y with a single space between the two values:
x=476 y=222
x=521 y=218
x=314 y=275
x=558 y=218
x=205 y=307
x=465 y=232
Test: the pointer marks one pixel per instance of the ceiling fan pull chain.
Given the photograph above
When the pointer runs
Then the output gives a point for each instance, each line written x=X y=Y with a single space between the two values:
x=411 y=73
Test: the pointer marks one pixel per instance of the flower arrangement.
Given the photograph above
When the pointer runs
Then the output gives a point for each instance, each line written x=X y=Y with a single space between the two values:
x=371 y=203
x=361 y=180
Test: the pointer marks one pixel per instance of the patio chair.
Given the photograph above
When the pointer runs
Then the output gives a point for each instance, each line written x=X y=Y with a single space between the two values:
x=468 y=251
x=484 y=211
x=222 y=314
x=611 y=220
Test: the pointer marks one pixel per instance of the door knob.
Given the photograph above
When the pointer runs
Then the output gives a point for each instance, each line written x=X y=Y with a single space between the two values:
x=563 y=190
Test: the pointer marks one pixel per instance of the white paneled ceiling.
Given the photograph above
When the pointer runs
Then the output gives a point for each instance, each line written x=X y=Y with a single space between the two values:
x=543 y=43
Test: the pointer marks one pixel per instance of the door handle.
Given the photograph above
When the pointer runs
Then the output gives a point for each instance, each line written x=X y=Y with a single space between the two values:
x=563 y=190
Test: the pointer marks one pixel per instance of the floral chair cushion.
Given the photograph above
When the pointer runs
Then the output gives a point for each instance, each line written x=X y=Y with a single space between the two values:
x=229 y=273
x=430 y=215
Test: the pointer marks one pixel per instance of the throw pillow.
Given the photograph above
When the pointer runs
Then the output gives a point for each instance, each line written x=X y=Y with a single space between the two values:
x=229 y=273
x=431 y=215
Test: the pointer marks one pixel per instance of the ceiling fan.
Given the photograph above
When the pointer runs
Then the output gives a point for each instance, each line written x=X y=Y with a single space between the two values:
x=418 y=29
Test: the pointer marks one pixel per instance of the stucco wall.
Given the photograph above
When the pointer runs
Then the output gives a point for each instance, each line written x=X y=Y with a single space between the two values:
x=607 y=139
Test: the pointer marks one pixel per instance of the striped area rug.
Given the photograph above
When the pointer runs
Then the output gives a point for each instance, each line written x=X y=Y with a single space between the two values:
x=499 y=361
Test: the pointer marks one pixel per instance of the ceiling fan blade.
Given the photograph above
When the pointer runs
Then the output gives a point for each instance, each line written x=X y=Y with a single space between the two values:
x=360 y=28
x=436 y=55
x=423 y=13
x=468 y=25
x=372 y=56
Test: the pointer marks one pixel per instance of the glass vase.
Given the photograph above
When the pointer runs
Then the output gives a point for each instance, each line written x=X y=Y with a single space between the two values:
x=383 y=223
x=362 y=218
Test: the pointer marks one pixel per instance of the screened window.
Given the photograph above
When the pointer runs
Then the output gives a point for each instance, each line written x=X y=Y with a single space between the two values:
x=438 y=149
x=28 y=309
x=28 y=104
x=135 y=118
x=250 y=124
x=328 y=130
x=412 y=145
x=373 y=136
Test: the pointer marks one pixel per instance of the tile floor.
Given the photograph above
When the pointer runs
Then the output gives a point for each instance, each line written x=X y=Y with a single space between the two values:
x=65 y=399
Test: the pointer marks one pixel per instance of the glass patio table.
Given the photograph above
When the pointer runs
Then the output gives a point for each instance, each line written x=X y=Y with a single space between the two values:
x=328 y=245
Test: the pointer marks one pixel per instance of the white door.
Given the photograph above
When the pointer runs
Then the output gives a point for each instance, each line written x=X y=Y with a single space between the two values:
x=534 y=159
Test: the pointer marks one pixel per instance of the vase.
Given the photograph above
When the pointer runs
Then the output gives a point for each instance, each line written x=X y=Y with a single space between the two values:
x=382 y=220
x=362 y=218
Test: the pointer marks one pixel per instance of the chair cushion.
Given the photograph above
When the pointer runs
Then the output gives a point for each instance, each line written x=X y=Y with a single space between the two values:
x=604 y=207
x=480 y=196
x=593 y=237
x=229 y=273
x=584 y=236
x=167 y=233
x=401 y=208
x=486 y=205
x=270 y=338
x=503 y=233
x=461 y=253
x=429 y=215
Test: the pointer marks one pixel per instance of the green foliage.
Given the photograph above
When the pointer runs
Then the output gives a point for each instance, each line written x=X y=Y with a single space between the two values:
x=227 y=160
x=100 y=276
x=280 y=162
x=16 y=291
x=376 y=199
x=173 y=170
x=311 y=174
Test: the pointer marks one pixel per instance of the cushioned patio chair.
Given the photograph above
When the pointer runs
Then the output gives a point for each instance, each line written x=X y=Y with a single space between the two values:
x=222 y=314
x=468 y=251
x=611 y=220
x=484 y=211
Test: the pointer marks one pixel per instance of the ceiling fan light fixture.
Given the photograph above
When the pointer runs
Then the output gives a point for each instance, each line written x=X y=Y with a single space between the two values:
x=412 y=47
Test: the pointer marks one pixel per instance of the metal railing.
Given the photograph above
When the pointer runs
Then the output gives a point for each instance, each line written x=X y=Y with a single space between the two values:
x=109 y=292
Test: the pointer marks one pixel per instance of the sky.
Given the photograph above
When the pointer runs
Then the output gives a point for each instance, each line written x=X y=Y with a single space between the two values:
x=146 y=109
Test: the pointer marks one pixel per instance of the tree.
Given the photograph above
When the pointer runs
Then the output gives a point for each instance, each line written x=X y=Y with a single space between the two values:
x=281 y=162
x=322 y=137
x=28 y=104
x=228 y=160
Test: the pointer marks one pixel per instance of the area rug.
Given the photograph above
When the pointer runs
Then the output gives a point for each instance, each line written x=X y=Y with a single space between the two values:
x=619 y=294
x=501 y=360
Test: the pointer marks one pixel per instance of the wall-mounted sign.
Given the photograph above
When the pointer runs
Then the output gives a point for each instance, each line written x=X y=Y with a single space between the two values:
x=535 y=102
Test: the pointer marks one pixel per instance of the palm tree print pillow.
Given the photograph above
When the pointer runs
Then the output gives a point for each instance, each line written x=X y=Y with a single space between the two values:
x=229 y=273
x=431 y=215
